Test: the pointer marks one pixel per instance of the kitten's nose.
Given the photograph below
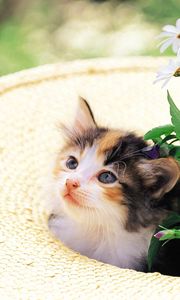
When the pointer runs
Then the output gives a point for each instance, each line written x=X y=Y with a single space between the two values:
x=72 y=184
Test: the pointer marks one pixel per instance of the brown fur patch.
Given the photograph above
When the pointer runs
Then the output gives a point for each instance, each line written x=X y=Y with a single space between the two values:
x=114 y=194
x=62 y=155
x=57 y=169
x=108 y=141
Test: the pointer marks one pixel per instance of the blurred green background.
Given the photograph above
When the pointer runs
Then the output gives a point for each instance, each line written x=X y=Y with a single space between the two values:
x=35 y=32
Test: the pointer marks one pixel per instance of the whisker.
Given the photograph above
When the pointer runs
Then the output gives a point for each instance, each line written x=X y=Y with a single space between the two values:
x=114 y=152
x=118 y=167
x=132 y=154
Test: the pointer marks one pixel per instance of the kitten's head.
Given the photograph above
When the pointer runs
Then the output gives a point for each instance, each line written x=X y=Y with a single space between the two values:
x=103 y=173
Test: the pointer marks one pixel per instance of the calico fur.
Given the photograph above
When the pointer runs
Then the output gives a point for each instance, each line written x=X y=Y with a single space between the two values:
x=112 y=223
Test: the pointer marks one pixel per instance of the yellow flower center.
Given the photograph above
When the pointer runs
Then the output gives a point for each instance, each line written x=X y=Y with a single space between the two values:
x=178 y=36
x=177 y=72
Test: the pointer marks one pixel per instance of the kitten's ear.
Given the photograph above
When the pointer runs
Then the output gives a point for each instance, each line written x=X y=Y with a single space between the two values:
x=160 y=175
x=84 y=118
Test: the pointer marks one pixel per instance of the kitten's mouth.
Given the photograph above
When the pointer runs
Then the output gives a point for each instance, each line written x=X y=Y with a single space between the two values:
x=71 y=199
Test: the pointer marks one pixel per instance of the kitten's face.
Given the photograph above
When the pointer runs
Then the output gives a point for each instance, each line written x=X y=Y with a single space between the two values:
x=102 y=173
x=86 y=180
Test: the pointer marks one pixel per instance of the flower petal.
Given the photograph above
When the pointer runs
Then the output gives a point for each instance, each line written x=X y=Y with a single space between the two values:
x=166 y=44
x=175 y=46
x=165 y=34
x=166 y=82
x=170 y=28
x=178 y=53
x=162 y=78
x=178 y=24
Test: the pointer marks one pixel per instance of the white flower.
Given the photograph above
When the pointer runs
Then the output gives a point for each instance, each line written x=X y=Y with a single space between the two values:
x=173 y=37
x=166 y=73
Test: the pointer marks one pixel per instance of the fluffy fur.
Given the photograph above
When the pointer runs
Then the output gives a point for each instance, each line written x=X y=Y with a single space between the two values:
x=111 y=222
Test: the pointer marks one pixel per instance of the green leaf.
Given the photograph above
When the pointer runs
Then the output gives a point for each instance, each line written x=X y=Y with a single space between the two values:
x=153 y=250
x=158 y=131
x=171 y=221
x=157 y=141
x=175 y=115
x=168 y=138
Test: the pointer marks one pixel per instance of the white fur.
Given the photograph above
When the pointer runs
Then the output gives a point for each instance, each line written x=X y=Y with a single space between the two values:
x=96 y=229
x=117 y=247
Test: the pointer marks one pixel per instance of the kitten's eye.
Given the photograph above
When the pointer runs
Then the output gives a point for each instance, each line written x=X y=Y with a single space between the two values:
x=71 y=163
x=107 y=177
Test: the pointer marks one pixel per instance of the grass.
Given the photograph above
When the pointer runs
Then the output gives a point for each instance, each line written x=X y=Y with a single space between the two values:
x=44 y=32
x=14 y=54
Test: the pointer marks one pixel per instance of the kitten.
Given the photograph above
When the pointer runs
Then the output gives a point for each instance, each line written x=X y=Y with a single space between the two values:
x=106 y=196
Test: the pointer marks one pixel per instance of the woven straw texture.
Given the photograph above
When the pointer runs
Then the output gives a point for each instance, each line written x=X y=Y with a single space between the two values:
x=33 y=264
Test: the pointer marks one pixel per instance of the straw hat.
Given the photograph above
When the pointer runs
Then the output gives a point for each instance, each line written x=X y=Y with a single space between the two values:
x=33 y=264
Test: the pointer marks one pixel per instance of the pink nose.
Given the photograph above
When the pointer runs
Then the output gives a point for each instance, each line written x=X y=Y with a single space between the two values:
x=72 y=184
